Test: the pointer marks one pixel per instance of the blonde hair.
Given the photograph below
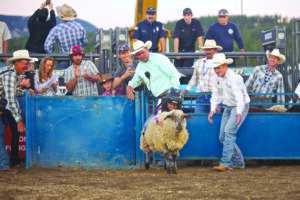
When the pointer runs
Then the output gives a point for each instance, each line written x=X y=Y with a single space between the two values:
x=42 y=68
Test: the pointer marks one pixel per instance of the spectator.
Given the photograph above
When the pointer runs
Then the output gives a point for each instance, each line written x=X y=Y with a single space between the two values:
x=8 y=85
x=224 y=32
x=107 y=83
x=39 y=28
x=81 y=77
x=43 y=80
x=4 y=35
x=267 y=79
x=187 y=31
x=150 y=29
x=125 y=72
x=68 y=33
x=156 y=70
x=204 y=76
x=229 y=89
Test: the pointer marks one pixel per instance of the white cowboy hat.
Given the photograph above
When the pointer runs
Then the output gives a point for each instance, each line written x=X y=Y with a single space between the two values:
x=211 y=44
x=220 y=59
x=276 y=53
x=139 y=45
x=18 y=55
x=66 y=13
x=33 y=60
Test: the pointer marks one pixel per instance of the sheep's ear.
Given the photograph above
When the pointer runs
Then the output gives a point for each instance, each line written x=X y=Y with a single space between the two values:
x=169 y=116
x=188 y=117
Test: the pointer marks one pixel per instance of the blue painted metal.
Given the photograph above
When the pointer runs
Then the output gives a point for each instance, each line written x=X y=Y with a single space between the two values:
x=93 y=132
x=104 y=132
x=262 y=135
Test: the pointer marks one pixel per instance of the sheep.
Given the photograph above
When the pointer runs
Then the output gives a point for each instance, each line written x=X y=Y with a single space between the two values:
x=168 y=138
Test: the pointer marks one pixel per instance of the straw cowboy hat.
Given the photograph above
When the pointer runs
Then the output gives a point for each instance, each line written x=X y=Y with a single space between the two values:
x=66 y=13
x=139 y=45
x=211 y=44
x=276 y=53
x=220 y=59
x=106 y=77
x=18 y=55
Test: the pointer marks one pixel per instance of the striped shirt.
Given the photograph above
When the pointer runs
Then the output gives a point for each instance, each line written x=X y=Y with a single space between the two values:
x=9 y=91
x=67 y=35
x=264 y=81
x=202 y=76
x=83 y=87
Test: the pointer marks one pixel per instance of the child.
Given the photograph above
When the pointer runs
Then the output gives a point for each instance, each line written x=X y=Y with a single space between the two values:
x=107 y=83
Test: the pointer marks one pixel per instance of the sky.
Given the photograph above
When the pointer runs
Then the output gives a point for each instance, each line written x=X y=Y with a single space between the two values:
x=112 y=13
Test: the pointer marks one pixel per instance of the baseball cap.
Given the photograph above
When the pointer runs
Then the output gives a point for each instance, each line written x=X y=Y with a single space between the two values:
x=223 y=13
x=150 y=11
x=187 y=11
x=76 y=50
x=124 y=47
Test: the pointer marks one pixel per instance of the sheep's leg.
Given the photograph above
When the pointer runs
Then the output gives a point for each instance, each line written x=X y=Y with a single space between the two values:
x=174 y=166
x=167 y=163
x=147 y=163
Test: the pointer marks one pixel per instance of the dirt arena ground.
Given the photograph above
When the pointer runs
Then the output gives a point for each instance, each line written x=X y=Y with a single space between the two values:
x=197 y=182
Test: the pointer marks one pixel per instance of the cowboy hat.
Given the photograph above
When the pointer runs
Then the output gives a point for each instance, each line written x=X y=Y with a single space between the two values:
x=276 y=53
x=19 y=55
x=219 y=59
x=66 y=13
x=139 y=45
x=106 y=77
x=211 y=44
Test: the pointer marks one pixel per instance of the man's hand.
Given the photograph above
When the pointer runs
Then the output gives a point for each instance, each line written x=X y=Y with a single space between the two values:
x=54 y=85
x=238 y=116
x=129 y=72
x=130 y=91
x=185 y=91
x=178 y=57
x=242 y=57
x=85 y=76
x=76 y=72
x=210 y=116
x=25 y=82
x=21 y=126
x=51 y=5
x=31 y=91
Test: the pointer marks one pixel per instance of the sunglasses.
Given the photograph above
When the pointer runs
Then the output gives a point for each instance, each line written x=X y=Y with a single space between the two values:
x=25 y=63
x=77 y=49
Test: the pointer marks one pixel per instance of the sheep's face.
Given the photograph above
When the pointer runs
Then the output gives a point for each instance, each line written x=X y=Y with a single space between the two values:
x=178 y=117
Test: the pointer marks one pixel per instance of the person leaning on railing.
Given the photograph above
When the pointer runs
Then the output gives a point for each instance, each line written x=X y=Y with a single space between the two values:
x=267 y=79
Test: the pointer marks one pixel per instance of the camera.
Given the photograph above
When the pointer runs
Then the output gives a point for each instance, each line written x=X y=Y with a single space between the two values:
x=131 y=67
x=48 y=2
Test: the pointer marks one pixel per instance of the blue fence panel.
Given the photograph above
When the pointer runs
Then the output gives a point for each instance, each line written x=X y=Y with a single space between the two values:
x=81 y=131
x=262 y=136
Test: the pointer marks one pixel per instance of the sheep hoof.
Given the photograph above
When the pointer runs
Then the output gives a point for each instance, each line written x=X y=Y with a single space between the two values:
x=174 y=171
x=147 y=165
x=168 y=170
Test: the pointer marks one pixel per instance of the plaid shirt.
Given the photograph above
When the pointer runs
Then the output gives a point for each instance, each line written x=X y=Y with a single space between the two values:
x=264 y=81
x=202 y=74
x=83 y=87
x=67 y=35
x=8 y=90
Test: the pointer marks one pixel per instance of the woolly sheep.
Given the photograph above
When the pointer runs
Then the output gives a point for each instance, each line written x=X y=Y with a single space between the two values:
x=169 y=138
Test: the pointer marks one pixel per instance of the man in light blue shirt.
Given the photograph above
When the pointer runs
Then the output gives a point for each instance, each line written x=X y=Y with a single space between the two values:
x=156 y=70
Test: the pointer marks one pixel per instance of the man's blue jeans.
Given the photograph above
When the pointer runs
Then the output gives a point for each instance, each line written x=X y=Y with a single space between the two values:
x=3 y=154
x=202 y=99
x=231 y=155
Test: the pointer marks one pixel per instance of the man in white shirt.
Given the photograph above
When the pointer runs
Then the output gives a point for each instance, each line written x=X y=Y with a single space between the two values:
x=230 y=90
x=203 y=76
